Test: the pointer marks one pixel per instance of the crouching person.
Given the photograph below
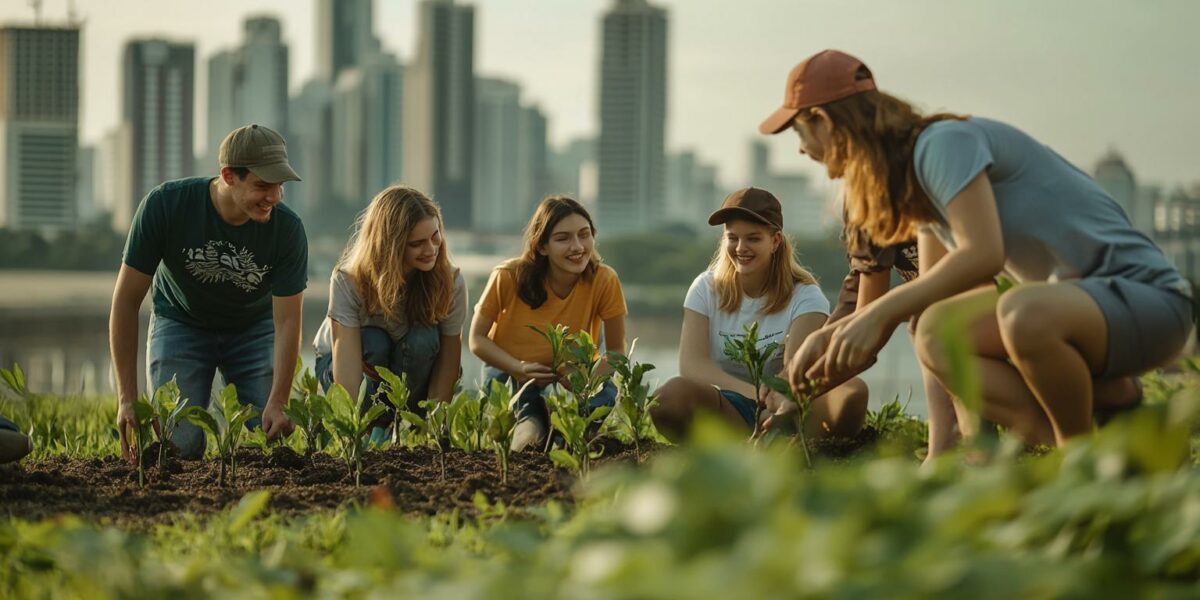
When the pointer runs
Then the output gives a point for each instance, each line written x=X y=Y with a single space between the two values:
x=227 y=263
x=14 y=445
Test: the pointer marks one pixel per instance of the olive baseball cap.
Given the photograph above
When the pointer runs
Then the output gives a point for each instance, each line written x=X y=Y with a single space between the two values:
x=751 y=204
x=820 y=79
x=260 y=149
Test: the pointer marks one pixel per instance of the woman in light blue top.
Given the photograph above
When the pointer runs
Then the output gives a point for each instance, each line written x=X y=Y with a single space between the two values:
x=1096 y=300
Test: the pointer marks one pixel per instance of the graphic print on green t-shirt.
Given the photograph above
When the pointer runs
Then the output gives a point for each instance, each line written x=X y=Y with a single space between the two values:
x=208 y=273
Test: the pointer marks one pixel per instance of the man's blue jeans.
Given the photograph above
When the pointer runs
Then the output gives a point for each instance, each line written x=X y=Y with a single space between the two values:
x=532 y=405
x=193 y=355
x=413 y=355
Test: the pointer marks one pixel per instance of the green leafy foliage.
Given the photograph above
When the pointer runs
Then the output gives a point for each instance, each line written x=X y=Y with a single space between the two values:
x=745 y=350
x=580 y=429
x=634 y=401
x=464 y=417
x=499 y=422
x=143 y=417
x=800 y=415
x=168 y=408
x=225 y=421
x=352 y=424
x=556 y=336
x=307 y=408
x=395 y=393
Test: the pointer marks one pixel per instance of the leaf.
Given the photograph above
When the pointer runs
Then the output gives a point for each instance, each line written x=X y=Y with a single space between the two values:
x=564 y=459
x=202 y=419
x=247 y=508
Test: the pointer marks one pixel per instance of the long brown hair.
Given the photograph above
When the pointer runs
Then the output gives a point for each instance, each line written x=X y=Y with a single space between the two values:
x=532 y=266
x=783 y=274
x=874 y=136
x=374 y=259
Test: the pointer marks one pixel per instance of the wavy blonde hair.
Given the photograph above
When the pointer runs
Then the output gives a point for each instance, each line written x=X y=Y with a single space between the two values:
x=873 y=139
x=784 y=273
x=374 y=259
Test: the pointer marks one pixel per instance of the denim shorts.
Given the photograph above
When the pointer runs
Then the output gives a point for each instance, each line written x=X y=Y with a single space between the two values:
x=746 y=407
x=1147 y=325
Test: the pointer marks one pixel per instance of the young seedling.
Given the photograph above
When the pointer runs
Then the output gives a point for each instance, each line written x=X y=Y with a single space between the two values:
x=308 y=409
x=352 y=425
x=745 y=350
x=633 y=396
x=565 y=416
x=226 y=422
x=432 y=428
x=556 y=335
x=168 y=410
x=500 y=420
x=465 y=419
x=143 y=414
x=800 y=415
x=395 y=393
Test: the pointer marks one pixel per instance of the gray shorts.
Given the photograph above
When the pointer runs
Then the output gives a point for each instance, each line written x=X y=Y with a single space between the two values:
x=1147 y=325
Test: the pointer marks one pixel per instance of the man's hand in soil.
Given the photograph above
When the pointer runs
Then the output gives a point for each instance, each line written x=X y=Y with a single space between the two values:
x=126 y=429
x=274 y=422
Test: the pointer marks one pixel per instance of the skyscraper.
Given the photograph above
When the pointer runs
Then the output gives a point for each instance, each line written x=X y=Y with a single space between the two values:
x=39 y=126
x=495 y=206
x=247 y=84
x=345 y=36
x=1115 y=176
x=633 y=115
x=533 y=160
x=157 y=100
x=439 y=108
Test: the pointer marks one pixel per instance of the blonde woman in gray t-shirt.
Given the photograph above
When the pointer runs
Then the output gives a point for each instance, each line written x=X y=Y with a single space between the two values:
x=1095 y=302
x=395 y=300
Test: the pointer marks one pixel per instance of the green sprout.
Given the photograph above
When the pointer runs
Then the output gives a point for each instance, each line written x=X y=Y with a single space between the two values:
x=634 y=400
x=352 y=425
x=226 y=422
x=308 y=409
x=745 y=351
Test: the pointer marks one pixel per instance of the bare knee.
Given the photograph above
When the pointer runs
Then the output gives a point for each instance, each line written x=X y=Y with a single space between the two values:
x=927 y=339
x=842 y=411
x=1026 y=324
x=672 y=410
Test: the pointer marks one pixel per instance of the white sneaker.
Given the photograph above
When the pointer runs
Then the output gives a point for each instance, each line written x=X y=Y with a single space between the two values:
x=528 y=434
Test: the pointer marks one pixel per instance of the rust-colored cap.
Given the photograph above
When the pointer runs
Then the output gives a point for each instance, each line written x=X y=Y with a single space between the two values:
x=752 y=204
x=821 y=78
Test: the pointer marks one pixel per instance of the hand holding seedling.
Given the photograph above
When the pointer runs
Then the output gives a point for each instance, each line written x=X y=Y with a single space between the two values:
x=126 y=429
x=541 y=375
x=855 y=343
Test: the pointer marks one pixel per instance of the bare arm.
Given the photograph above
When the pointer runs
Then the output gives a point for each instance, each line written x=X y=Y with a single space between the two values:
x=128 y=295
x=446 y=369
x=979 y=255
x=872 y=286
x=491 y=353
x=287 y=312
x=347 y=355
x=695 y=362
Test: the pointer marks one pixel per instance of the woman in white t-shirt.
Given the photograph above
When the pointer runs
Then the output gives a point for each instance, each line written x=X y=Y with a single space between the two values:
x=753 y=277
x=395 y=301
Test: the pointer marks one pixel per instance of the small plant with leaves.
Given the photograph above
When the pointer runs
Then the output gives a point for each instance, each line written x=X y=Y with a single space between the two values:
x=143 y=416
x=307 y=409
x=168 y=407
x=466 y=428
x=585 y=372
x=15 y=380
x=800 y=415
x=556 y=335
x=352 y=425
x=395 y=394
x=499 y=421
x=577 y=430
x=226 y=422
x=745 y=350
x=634 y=400
x=431 y=429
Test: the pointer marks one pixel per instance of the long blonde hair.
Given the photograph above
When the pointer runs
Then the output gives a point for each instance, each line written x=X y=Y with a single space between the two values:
x=783 y=274
x=374 y=259
x=873 y=139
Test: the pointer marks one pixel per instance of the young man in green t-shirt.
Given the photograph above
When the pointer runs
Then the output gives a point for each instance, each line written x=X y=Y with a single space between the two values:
x=228 y=264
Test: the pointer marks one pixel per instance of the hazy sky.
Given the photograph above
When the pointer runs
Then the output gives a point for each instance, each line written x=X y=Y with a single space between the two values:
x=1081 y=75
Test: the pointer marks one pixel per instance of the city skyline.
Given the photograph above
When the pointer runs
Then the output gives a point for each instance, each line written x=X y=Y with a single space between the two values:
x=1081 y=80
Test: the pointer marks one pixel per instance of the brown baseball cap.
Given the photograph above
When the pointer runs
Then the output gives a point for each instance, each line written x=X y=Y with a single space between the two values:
x=752 y=204
x=260 y=149
x=821 y=78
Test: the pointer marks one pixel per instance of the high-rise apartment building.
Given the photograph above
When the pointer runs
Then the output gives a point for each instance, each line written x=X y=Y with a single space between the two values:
x=633 y=115
x=39 y=127
x=247 y=84
x=498 y=112
x=439 y=109
x=345 y=36
x=157 y=99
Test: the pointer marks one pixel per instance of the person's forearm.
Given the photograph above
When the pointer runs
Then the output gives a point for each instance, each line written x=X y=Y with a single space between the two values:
x=122 y=344
x=445 y=373
x=960 y=270
x=287 y=349
x=712 y=374
x=491 y=353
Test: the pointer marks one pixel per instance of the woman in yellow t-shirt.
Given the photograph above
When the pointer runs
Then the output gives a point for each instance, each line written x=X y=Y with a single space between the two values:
x=558 y=279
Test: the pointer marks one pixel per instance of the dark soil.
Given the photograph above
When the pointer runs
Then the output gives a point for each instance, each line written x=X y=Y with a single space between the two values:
x=410 y=480
x=108 y=488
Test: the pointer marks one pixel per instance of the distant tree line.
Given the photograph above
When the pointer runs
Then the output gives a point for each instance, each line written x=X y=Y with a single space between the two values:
x=93 y=247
